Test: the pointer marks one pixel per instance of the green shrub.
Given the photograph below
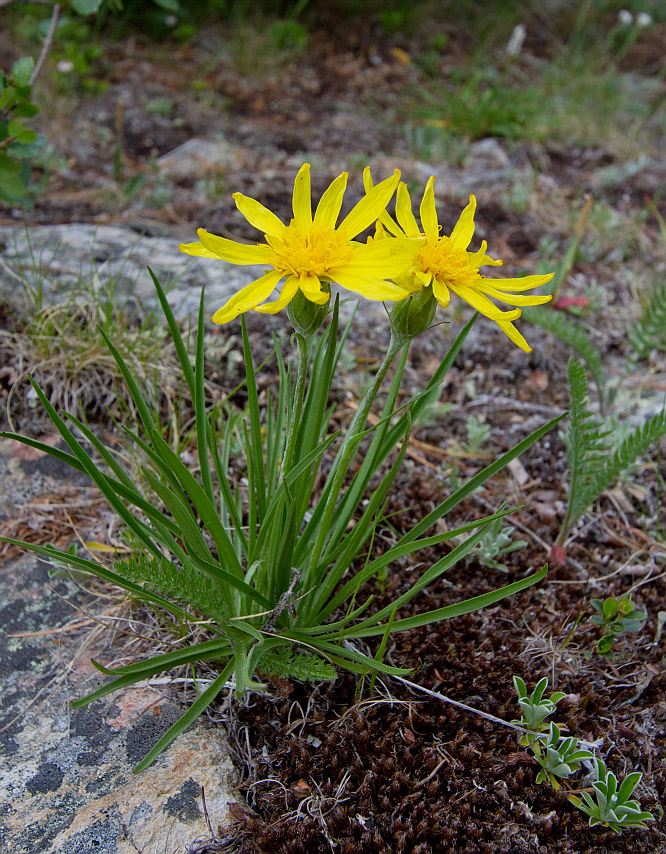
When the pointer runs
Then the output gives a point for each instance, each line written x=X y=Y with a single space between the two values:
x=18 y=143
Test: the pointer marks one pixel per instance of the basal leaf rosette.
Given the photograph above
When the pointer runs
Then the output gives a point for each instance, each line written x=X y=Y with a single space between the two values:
x=443 y=263
x=312 y=251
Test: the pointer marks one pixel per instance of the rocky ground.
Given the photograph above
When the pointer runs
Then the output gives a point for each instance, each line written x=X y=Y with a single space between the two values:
x=339 y=768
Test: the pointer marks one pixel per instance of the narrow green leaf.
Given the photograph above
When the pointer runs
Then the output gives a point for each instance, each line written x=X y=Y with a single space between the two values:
x=95 y=474
x=201 y=419
x=478 y=480
x=192 y=537
x=255 y=424
x=204 y=651
x=204 y=506
x=285 y=556
x=373 y=458
x=131 y=383
x=151 y=667
x=347 y=657
x=466 y=607
x=123 y=486
x=222 y=575
x=275 y=415
x=176 y=337
x=397 y=552
x=196 y=709
x=287 y=484
x=103 y=451
x=150 y=453
x=252 y=492
x=227 y=500
x=338 y=625
x=430 y=575
x=56 y=453
x=354 y=541
x=92 y=568
x=310 y=458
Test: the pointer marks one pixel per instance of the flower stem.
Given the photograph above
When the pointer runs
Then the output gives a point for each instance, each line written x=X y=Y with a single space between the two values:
x=345 y=454
x=299 y=393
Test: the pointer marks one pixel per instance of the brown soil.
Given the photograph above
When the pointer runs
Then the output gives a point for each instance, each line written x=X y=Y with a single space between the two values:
x=342 y=767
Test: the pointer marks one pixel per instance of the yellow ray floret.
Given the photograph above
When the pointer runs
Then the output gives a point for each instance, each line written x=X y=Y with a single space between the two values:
x=312 y=250
x=445 y=264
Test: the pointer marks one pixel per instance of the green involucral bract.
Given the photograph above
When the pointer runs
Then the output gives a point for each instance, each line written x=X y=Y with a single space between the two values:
x=307 y=317
x=410 y=317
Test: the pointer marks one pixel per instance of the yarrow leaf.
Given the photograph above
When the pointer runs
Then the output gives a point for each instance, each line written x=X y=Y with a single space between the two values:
x=286 y=664
x=184 y=583
x=594 y=464
x=587 y=442
x=574 y=335
x=650 y=331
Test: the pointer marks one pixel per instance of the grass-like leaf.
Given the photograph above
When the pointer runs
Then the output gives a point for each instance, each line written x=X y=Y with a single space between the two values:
x=467 y=606
x=68 y=559
x=197 y=708
x=477 y=481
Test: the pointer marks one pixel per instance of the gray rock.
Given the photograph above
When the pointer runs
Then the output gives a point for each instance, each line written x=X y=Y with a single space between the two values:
x=66 y=775
x=66 y=779
x=198 y=157
x=486 y=155
x=61 y=258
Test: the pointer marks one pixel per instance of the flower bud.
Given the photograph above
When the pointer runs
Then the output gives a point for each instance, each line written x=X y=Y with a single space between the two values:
x=411 y=316
x=307 y=317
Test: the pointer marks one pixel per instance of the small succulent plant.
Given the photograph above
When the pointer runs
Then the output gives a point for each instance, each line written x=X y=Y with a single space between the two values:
x=611 y=805
x=558 y=756
x=617 y=616
x=535 y=708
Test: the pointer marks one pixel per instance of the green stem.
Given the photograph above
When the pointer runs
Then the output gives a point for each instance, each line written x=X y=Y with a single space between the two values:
x=299 y=393
x=345 y=455
x=569 y=521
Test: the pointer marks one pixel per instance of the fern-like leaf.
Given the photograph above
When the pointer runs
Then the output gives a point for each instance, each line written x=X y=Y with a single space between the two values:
x=182 y=583
x=594 y=465
x=650 y=331
x=637 y=443
x=284 y=663
x=587 y=444
x=574 y=336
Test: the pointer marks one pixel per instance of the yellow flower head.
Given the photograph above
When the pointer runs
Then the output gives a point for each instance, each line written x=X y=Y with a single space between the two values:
x=311 y=250
x=444 y=263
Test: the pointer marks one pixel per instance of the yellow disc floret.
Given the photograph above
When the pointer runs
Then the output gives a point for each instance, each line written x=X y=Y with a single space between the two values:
x=447 y=263
x=312 y=251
